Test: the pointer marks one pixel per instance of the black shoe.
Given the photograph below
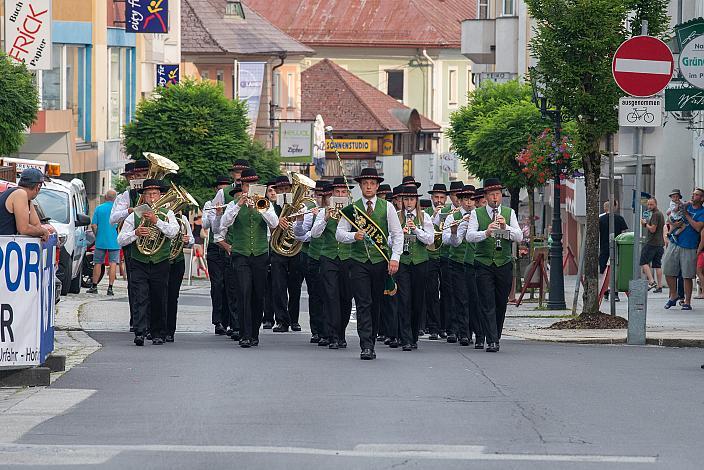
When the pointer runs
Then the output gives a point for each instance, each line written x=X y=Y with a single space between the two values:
x=235 y=335
x=616 y=299
x=267 y=325
x=387 y=340
x=245 y=343
x=110 y=292
x=220 y=330
x=433 y=337
x=149 y=336
x=443 y=335
x=421 y=332
x=324 y=342
x=451 y=338
x=158 y=341
x=658 y=290
x=479 y=345
x=254 y=342
x=414 y=345
x=380 y=338
x=407 y=347
x=492 y=347
x=394 y=343
x=314 y=339
x=296 y=327
x=139 y=340
x=229 y=331
x=464 y=341
x=367 y=355
x=606 y=294
x=92 y=290
x=169 y=338
x=132 y=329
x=280 y=329
x=342 y=343
x=333 y=345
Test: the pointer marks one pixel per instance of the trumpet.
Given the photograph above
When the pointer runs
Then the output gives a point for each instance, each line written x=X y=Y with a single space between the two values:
x=256 y=197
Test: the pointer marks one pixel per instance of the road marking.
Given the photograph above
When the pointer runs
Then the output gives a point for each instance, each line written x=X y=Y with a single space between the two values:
x=25 y=454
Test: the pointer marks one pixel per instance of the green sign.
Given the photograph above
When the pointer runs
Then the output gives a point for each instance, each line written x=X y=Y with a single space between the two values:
x=684 y=99
x=685 y=32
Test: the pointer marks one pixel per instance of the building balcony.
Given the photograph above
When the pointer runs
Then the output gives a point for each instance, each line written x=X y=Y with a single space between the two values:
x=479 y=41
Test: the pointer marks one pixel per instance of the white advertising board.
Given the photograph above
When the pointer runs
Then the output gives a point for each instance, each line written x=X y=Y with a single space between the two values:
x=28 y=32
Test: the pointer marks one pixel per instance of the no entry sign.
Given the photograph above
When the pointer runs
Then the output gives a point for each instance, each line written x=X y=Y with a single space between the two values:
x=643 y=66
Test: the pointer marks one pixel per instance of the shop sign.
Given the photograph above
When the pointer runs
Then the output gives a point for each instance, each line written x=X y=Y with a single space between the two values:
x=296 y=141
x=692 y=62
x=684 y=99
x=28 y=32
x=351 y=145
x=685 y=32
x=387 y=145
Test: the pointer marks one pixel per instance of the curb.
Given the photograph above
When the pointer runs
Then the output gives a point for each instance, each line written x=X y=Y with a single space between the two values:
x=662 y=342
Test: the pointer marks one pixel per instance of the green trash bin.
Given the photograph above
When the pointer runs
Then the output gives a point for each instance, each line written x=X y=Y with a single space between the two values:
x=624 y=260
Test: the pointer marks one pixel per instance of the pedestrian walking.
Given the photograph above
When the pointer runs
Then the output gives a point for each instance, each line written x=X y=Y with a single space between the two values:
x=106 y=246
x=653 y=245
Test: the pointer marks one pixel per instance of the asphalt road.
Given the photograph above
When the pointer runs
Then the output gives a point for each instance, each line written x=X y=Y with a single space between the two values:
x=202 y=402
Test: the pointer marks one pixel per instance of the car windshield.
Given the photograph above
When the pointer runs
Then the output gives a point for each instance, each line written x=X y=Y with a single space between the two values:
x=55 y=205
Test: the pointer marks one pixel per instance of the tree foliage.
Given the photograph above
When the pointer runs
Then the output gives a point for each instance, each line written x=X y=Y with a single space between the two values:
x=574 y=43
x=19 y=102
x=199 y=128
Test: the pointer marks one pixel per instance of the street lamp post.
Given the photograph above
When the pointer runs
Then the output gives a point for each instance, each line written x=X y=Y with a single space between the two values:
x=556 y=299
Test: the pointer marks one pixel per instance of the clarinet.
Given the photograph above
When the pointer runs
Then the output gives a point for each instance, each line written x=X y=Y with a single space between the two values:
x=497 y=245
x=406 y=237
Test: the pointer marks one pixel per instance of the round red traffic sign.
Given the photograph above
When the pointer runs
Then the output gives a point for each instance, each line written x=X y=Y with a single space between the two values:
x=643 y=66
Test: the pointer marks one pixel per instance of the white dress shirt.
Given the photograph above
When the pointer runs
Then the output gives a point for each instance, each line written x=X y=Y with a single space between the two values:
x=302 y=228
x=437 y=218
x=455 y=239
x=474 y=235
x=120 y=208
x=127 y=234
x=189 y=231
x=426 y=233
x=345 y=233
x=228 y=218
x=319 y=225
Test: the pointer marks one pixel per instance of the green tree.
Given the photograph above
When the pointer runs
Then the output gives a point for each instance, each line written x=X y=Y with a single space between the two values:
x=574 y=43
x=19 y=102
x=199 y=128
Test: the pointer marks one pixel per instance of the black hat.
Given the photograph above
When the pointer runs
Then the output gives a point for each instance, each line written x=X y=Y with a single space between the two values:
x=673 y=192
x=467 y=191
x=478 y=194
x=282 y=181
x=339 y=182
x=235 y=190
x=396 y=192
x=438 y=188
x=129 y=168
x=141 y=165
x=389 y=197
x=249 y=175
x=325 y=190
x=410 y=180
x=240 y=164
x=492 y=184
x=220 y=180
x=408 y=190
x=271 y=182
x=383 y=189
x=425 y=203
x=455 y=186
x=151 y=183
x=369 y=174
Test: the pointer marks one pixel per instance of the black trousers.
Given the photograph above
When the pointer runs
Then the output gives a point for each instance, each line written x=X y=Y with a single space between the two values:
x=268 y=300
x=316 y=308
x=411 y=293
x=218 y=263
x=458 y=322
x=389 y=324
x=445 y=293
x=250 y=273
x=286 y=280
x=432 y=296
x=130 y=295
x=150 y=287
x=231 y=296
x=475 y=326
x=335 y=283
x=494 y=285
x=176 y=271
x=367 y=283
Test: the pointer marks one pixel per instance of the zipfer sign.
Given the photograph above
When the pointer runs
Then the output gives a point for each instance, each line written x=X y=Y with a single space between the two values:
x=28 y=32
x=26 y=300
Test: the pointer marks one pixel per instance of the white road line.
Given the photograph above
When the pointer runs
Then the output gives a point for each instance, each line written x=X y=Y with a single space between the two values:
x=657 y=67
x=20 y=454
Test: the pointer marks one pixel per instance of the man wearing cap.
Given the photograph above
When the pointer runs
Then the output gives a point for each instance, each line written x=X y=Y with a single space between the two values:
x=150 y=274
x=218 y=267
x=368 y=268
x=432 y=290
x=247 y=243
x=17 y=213
x=418 y=233
x=493 y=260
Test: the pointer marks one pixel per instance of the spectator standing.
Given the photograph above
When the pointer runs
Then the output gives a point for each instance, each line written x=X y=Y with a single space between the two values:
x=17 y=213
x=105 y=243
x=653 y=246
x=681 y=253
x=620 y=226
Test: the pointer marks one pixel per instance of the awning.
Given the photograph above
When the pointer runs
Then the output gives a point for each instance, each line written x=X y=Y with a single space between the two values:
x=54 y=147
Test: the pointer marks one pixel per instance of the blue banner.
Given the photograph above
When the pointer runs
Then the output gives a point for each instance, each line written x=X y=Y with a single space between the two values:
x=147 y=16
x=48 y=300
x=250 y=79
x=167 y=75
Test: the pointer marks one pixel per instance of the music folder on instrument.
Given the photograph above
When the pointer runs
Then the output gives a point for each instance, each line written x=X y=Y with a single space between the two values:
x=142 y=209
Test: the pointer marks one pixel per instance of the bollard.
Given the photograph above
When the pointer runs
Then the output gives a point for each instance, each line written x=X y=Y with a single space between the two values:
x=637 y=310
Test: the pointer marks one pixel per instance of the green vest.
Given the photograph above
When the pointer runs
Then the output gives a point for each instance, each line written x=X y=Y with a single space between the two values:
x=457 y=253
x=445 y=249
x=470 y=253
x=248 y=234
x=417 y=251
x=486 y=252
x=362 y=250
x=330 y=247
x=161 y=255
x=433 y=254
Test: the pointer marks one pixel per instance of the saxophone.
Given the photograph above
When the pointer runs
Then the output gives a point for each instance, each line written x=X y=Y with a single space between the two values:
x=284 y=242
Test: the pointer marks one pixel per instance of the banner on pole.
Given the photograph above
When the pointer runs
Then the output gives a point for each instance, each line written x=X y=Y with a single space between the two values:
x=28 y=32
x=250 y=79
x=147 y=16
x=167 y=75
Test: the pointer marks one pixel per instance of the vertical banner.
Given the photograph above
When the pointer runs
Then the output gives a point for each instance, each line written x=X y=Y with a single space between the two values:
x=250 y=79
x=28 y=32
x=296 y=142
x=48 y=301
x=167 y=75
x=147 y=16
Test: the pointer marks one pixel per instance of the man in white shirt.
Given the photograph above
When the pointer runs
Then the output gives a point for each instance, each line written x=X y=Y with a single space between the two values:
x=493 y=228
x=150 y=273
x=368 y=268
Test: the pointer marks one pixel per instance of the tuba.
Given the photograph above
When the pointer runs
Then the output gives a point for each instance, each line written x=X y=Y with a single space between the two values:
x=185 y=200
x=152 y=243
x=158 y=168
x=284 y=242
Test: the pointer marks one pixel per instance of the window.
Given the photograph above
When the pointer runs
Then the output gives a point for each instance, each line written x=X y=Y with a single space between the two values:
x=482 y=9
x=452 y=85
x=220 y=76
x=398 y=148
x=205 y=75
x=54 y=204
x=121 y=88
x=233 y=8
x=276 y=92
x=394 y=84
x=291 y=91
x=508 y=7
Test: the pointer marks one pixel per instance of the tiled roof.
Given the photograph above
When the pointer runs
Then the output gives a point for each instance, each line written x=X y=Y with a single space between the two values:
x=385 y=23
x=205 y=29
x=350 y=104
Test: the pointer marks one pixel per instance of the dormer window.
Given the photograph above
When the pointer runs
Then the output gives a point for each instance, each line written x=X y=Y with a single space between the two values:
x=234 y=8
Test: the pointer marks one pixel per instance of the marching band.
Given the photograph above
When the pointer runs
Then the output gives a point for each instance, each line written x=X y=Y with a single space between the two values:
x=412 y=266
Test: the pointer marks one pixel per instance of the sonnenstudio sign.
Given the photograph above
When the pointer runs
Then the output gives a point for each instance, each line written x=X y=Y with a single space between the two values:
x=351 y=145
